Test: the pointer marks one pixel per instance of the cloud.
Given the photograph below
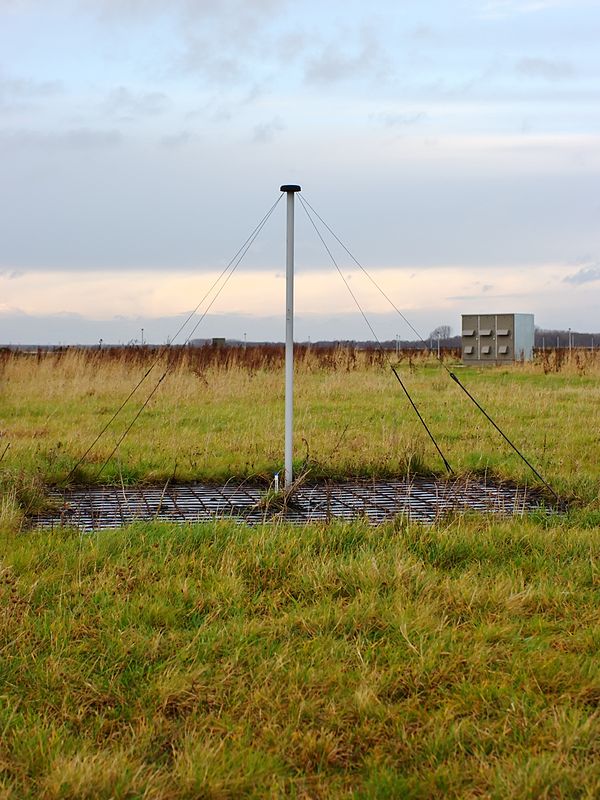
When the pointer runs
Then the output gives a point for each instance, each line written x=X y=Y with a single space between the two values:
x=74 y=139
x=266 y=131
x=423 y=33
x=584 y=275
x=391 y=120
x=333 y=64
x=229 y=42
x=16 y=5
x=128 y=10
x=292 y=45
x=177 y=140
x=122 y=102
x=494 y=296
x=15 y=93
x=198 y=57
x=11 y=275
x=238 y=19
x=213 y=111
x=545 y=68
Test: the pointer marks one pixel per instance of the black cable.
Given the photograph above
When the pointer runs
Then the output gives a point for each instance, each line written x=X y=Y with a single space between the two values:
x=109 y=423
x=381 y=347
x=5 y=451
x=131 y=424
x=417 y=412
x=239 y=255
x=504 y=436
x=418 y=335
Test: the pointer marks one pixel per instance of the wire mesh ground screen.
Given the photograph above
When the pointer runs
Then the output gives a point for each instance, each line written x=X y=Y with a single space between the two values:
x=424 y=500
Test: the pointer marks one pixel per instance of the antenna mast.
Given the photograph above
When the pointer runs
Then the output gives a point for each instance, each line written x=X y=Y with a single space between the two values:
x=290 y=190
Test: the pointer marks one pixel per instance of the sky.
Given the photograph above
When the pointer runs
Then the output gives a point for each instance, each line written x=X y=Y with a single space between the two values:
x=453 y=147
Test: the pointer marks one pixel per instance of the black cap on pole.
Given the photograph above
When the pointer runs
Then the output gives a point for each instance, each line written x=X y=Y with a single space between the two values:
x=290 y=187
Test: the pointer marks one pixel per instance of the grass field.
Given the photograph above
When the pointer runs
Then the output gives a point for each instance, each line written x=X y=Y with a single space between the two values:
x=219 y=413
x=220 y=661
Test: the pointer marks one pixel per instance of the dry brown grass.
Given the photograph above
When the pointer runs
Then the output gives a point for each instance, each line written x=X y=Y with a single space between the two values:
x=218 y=414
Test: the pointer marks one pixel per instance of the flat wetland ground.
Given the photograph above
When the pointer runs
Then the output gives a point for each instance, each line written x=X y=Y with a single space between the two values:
x=158 y=661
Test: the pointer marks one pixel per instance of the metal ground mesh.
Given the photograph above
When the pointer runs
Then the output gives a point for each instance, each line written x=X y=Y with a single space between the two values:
x=419 y=499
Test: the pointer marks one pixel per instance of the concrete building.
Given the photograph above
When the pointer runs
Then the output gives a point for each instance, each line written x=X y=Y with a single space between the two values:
x=497 y=338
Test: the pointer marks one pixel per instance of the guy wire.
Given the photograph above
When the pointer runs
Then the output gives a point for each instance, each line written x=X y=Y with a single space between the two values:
x=382 y=349
x=241 y=252
x=418 y=335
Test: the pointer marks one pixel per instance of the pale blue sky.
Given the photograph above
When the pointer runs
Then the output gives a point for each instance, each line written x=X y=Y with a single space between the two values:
x=453 y=146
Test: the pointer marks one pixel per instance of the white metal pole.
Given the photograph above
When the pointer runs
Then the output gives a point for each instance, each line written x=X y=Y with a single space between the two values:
x=290 y=190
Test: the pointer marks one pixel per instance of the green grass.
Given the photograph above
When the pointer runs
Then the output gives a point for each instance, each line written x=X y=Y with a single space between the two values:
x=339 y=661
x=214 y=420
x=221 y=661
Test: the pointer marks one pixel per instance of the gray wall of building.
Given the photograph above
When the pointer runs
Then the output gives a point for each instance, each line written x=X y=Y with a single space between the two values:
x=497 y=338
